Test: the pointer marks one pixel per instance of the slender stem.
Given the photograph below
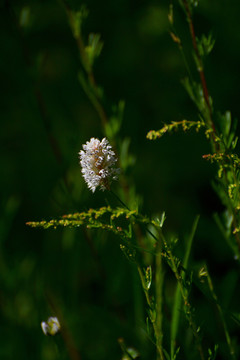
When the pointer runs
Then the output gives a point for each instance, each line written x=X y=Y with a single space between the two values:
x=201 y=74
x=90 y=86
x=178 y=300
x=200 y=67
x=157 y=324
x=126 y=207
x=184 y=293
x=228 y=338
x=215 y=144
x=188 y=311
x=91 y=94
x=159 y=299
x=157 y=332
x=118 y=198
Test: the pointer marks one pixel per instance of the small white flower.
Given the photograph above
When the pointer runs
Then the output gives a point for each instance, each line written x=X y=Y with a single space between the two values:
x=51 y=326
x=98 y=160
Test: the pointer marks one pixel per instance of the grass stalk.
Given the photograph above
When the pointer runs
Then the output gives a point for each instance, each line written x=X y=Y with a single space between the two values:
x=184 y=293
x=153 y=316
x=225 y=328
x=159 y=300
x=178 y=300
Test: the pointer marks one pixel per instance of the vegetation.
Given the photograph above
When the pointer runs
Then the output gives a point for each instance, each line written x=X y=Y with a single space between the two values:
x=147 y=267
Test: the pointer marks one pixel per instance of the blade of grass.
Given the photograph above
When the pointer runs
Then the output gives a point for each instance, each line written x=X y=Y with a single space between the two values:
x=178 y=299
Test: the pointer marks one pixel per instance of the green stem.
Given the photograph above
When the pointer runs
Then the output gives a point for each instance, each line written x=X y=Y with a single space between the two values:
x=91 y=94
x=126 y=207
x=89 y=85
x=208 y=118
x=178 y=299
x=184 y=293
x=228 y=339
x=199 y=59
x=153 y=316
x=118 y=198
x=188 y=311
x=159 y=299
x=157 y=323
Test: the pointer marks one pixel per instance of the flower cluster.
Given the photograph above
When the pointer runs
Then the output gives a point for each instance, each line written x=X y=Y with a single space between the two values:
x=51 y=326
x=98 y=160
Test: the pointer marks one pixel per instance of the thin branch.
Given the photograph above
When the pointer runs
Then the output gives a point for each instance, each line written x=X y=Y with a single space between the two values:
x=200 y=67
x=90 y=87
x=207 y=100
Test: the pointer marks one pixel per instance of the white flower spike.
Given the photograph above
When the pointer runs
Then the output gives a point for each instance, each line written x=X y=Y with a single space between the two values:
x=98 y=160
x=51 y=326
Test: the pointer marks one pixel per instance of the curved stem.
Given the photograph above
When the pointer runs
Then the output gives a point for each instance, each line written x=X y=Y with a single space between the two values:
x=200 y=67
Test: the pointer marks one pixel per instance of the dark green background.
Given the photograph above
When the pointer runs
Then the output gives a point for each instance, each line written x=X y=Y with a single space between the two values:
x=45 y=119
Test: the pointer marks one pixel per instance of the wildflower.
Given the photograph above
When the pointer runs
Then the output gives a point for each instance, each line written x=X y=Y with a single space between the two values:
x=51 y=326
x=98 y=160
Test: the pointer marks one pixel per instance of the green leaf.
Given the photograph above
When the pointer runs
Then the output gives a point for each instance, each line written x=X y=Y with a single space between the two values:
x=225 y=224
x=25 y=17
x=212 y=355
x=160 y=221
x=167 y=356
x=148 y=326
x=76 y=20
x=205 y=45
x=227 y=128
x=93 y=48
x=133 y=353
x=224 y=123
x=148 y=277
x=195 y=92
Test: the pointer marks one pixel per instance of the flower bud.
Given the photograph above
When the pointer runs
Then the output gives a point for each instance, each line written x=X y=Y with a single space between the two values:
x=51 y=326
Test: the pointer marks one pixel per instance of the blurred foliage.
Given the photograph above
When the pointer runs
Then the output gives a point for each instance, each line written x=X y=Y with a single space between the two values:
x=80 y=275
